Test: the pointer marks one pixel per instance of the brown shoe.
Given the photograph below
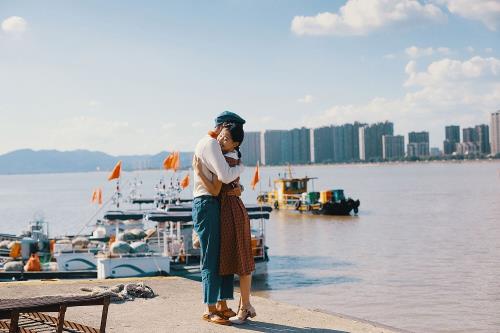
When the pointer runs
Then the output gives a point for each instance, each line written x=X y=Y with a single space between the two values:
x=216 y=318
x=228 y=313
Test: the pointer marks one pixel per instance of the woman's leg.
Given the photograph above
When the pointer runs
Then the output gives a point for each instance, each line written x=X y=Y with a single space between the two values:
x=245 y=286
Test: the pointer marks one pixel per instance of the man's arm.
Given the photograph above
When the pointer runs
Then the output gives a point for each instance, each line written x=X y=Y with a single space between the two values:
x=216 y=161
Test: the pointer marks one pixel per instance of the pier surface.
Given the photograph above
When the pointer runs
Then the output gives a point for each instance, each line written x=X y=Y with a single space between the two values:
x=178 y=308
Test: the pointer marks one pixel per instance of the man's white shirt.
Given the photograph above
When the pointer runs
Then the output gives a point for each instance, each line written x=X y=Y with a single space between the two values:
x=213 y=162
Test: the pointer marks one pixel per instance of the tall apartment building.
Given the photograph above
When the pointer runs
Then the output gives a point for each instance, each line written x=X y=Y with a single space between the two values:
x=251 y=149
x=495 y=133
x=452 y=137
x=469 y=135
x=300 y=145
x=284 y=147
x=418 y=144
x=275 y=147
x=323 y=144
x=483 y=138
x=370 y=140
x=393 y=147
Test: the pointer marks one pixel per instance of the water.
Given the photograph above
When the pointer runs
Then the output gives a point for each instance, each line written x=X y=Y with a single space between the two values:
x=423 y=254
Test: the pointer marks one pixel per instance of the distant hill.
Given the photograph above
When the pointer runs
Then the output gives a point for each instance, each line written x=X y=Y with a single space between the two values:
x=53 y=161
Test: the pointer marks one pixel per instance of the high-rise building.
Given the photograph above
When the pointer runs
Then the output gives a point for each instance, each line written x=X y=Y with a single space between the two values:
x=393 y=147
x=435 y=152
x=351 y=141
x=338 y=144
x=452 y=137
x=323 y=144
x=483 y=138
x=495 y=133
x=250 y=148
x=418 y=144
x=469 y=135
x=301 y=145
x=276 y=150
x=370 y=140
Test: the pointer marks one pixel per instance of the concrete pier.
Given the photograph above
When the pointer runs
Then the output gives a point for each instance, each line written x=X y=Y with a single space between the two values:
x=178 y=308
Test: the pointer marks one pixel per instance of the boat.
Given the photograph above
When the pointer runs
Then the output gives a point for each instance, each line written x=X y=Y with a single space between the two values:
x=291 y=193
x=162 y=225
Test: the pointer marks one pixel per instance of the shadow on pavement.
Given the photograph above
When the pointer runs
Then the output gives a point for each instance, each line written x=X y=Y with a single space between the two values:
x=258 y=326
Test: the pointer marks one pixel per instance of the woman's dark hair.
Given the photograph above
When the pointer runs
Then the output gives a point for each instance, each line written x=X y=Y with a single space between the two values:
x=237 y=134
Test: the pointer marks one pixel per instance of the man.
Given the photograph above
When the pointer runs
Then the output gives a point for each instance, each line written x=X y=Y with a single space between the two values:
x=206 y=217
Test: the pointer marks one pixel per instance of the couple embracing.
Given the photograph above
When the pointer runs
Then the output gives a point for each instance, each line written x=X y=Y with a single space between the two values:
x=221 y=221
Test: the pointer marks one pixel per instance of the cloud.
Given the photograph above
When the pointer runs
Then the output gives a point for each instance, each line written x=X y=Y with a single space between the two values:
x=486 y=11
x=390 y=56
x=306 y=99
x=14 y=24
x=446 y=91
x=416 y=52
x=448 y=71
x=361 y=17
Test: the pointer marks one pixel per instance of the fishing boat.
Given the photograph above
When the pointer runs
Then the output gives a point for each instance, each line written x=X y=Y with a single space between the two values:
x=291 y=193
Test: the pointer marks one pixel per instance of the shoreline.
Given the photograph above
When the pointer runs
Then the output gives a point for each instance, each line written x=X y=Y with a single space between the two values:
x=178 y=308
x=339 y=164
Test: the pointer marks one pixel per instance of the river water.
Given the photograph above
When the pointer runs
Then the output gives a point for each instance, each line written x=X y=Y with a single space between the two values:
x=423 y=254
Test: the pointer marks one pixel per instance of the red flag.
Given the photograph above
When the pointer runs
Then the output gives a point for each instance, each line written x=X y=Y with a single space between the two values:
x=185 y=182
x=116 y=171
x=256 y=177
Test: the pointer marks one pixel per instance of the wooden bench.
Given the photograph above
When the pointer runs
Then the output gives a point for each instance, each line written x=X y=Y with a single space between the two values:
x=27 y=315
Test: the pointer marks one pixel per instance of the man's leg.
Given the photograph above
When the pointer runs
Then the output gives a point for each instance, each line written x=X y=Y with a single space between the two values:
x=206 y=218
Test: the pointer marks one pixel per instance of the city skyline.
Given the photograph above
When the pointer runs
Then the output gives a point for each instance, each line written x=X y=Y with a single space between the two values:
x=132 y=78
x=364 y=142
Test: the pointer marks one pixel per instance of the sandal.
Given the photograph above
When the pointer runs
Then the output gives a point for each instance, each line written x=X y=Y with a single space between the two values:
x=243 y=315
x=228 y=313
x=216 y=318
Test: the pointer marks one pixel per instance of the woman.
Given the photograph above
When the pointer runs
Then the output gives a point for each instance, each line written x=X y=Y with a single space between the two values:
x=236 y=248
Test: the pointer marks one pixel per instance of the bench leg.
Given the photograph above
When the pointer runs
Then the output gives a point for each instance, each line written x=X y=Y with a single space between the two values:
x=14 y=321
x=60 y=318
x=104 y=316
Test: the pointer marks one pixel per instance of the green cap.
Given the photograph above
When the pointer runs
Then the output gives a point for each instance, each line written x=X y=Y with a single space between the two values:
x=228 y=117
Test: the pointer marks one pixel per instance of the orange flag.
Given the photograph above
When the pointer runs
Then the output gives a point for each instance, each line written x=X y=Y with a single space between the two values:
x=177 y=161
x=116 y=171
x=168 y=162
x=94 y=195
x=99 y=196
x=256 y=177
x=185 y=182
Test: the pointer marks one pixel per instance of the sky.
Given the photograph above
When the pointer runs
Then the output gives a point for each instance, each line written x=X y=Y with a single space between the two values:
x=140 y=77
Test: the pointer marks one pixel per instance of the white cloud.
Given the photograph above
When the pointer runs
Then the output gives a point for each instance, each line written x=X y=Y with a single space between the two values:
x=486 y=11
x=306 y=99
x=470 y=49
x=447 y=91
x=488 y=50
x=14 y=24
x=447 y=71
x=390 y=56
x=416 y=52
x=360 y=17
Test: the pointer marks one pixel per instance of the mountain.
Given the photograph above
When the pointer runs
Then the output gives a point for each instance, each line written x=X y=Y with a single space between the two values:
x=53 y=161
